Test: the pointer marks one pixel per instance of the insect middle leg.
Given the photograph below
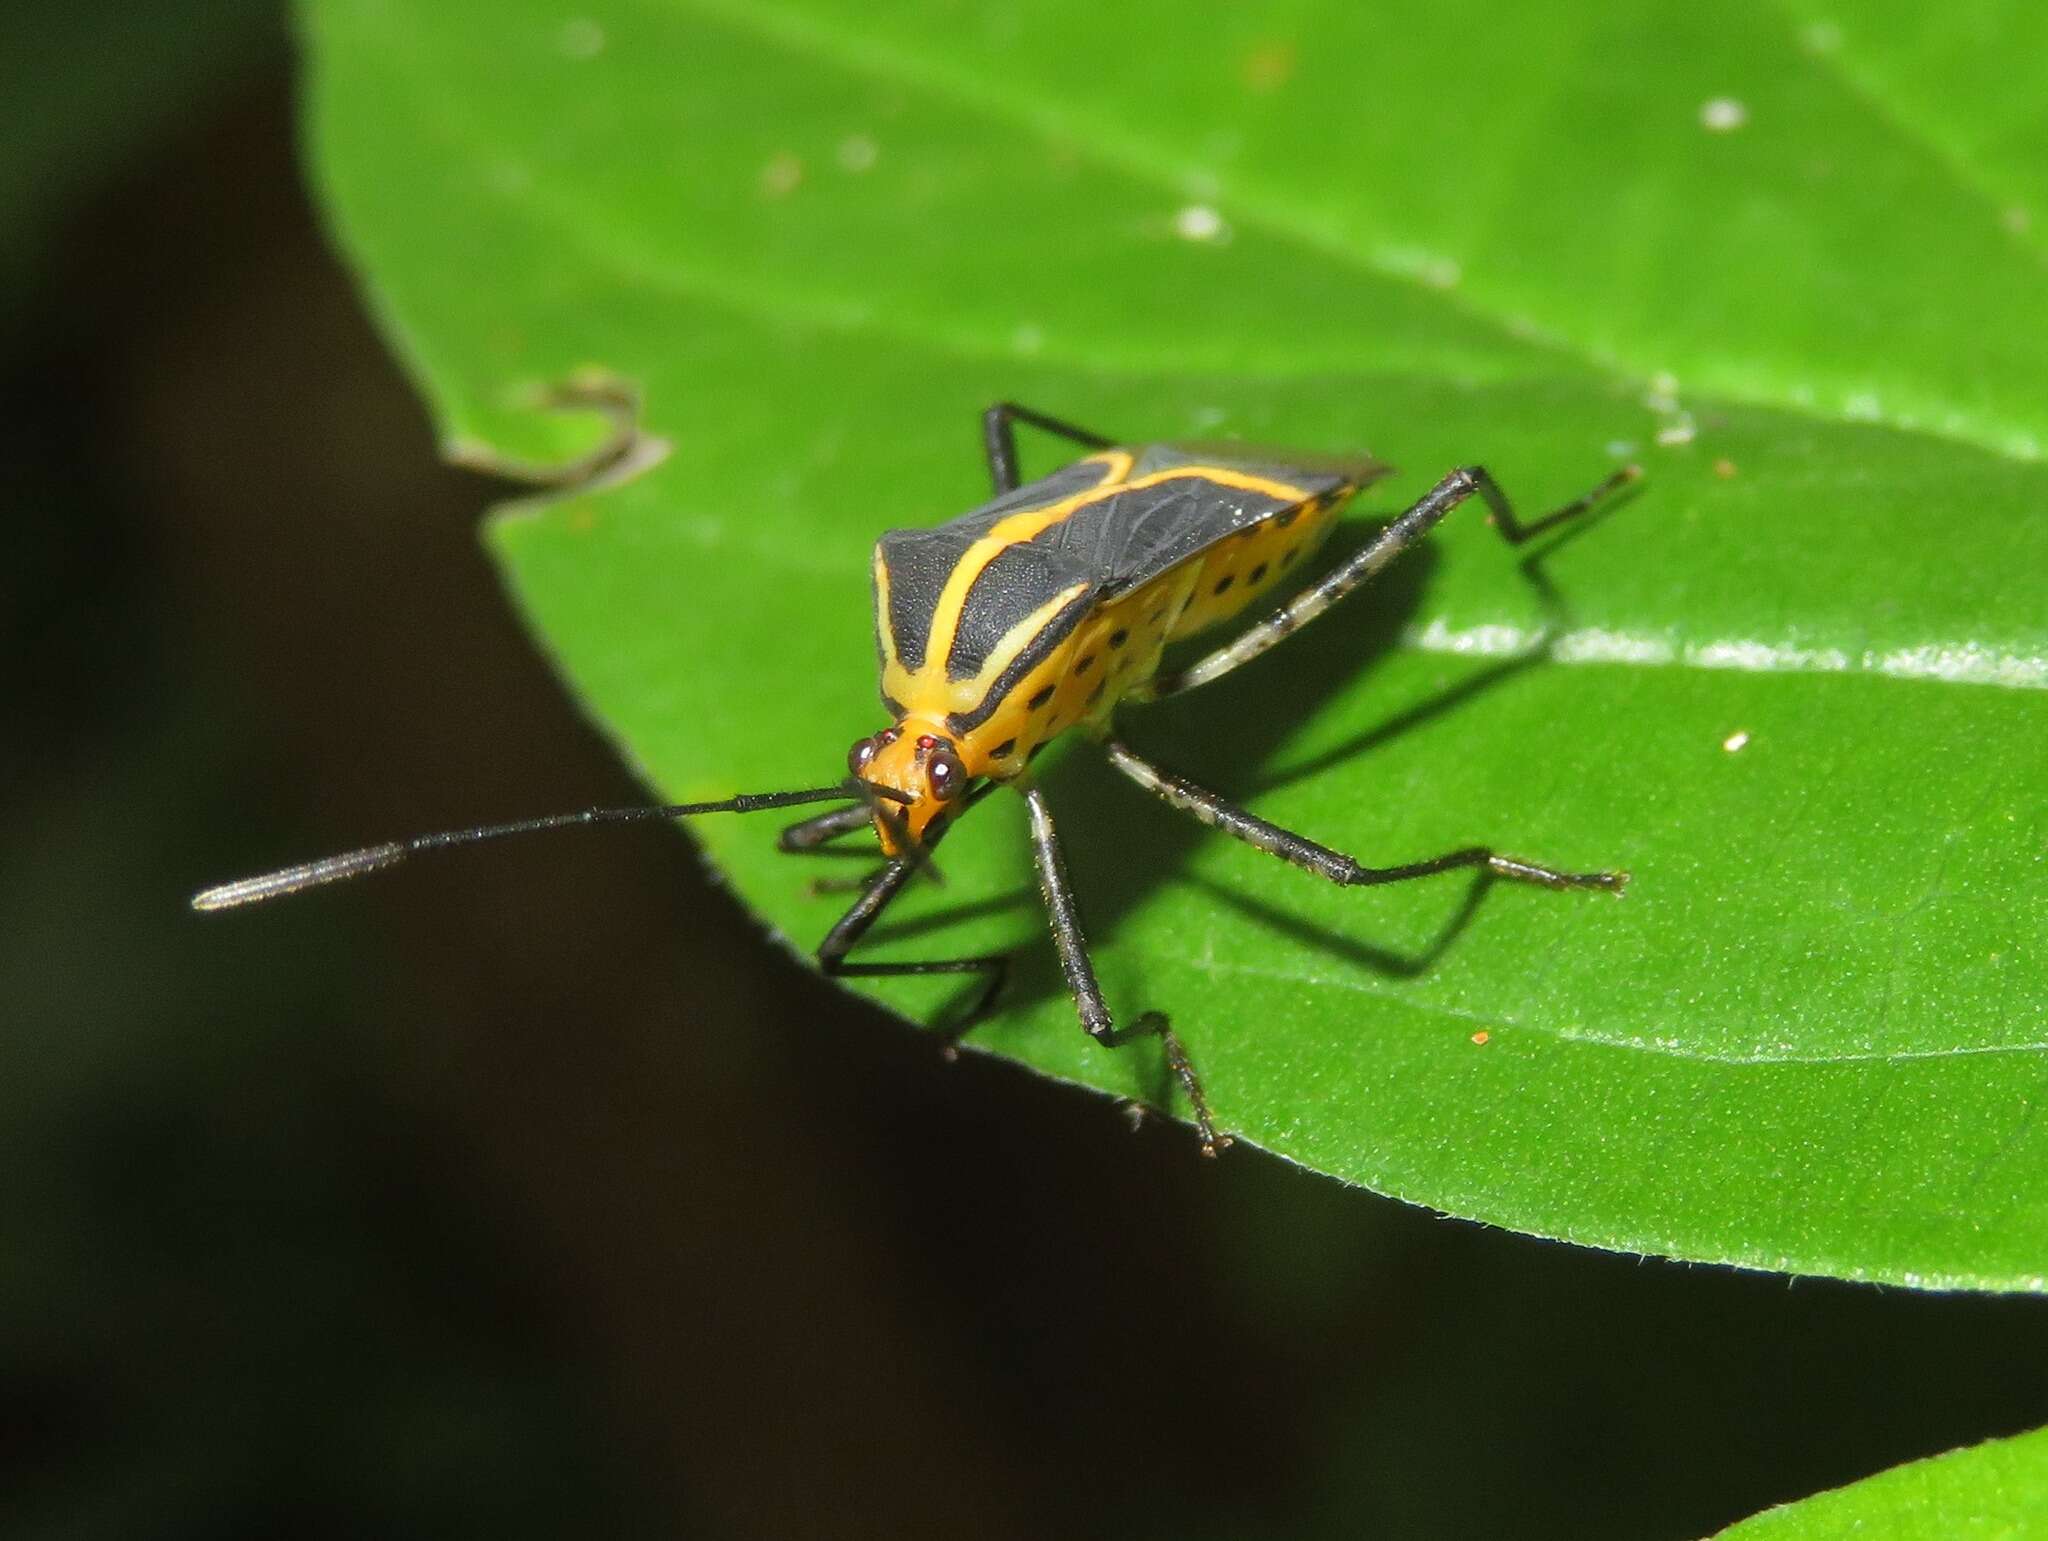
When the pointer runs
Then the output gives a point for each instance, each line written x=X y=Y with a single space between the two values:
x=1219 y=813
x=1418 y=521
x=999 y=439
x=1080 y=972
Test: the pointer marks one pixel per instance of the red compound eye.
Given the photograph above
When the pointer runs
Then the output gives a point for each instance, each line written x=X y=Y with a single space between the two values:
x=945 y=773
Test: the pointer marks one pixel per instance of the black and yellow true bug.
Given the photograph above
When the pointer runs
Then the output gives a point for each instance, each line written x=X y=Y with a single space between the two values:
x=1044 y=611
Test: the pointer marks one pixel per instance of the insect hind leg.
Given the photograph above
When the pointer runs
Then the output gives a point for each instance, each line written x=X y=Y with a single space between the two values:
x=999 y=439
x=1427 y=512
x=1501 y=514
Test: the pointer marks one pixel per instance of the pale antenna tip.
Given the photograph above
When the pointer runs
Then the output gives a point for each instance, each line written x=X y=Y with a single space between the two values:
x=289 y=880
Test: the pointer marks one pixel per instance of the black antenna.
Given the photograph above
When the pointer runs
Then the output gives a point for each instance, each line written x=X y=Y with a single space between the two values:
x=374 y=858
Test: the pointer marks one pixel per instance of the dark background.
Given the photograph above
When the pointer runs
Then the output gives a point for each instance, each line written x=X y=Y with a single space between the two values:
x=537 y=1192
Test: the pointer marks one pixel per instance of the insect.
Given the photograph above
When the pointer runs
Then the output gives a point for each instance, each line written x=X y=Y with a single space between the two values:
x=1043 y=612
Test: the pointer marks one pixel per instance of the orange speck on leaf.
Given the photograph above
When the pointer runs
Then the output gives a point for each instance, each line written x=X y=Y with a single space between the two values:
x=1270 y=66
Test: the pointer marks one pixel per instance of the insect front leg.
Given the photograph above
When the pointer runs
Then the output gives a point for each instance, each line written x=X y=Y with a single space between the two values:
x=853 y=925
x=1219 y=813
x=1417 y=522
x=815 y=833
x=877 y=891
x=999 y=439
x=815 y=837
x=1080 y=972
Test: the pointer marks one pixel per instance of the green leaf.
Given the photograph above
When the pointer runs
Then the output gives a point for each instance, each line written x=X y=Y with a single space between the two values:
x=1996 y=1491
x=1801 y=685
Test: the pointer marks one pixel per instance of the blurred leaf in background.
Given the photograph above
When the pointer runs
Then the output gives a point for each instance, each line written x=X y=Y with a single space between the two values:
x=1995 y=1490
x=1797 y=686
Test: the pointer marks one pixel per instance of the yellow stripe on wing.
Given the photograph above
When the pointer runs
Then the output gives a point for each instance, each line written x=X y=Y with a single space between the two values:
x=1031 y=523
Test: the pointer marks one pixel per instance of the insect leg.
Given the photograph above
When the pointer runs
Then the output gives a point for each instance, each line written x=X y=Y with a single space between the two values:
x=815 y=837
x=851 y=926
x=1074 y=963
x=1178 y=792
x=812 y=833
x=999 y=439
x=1418 y=521
x=876 y=892
x=1501 y=515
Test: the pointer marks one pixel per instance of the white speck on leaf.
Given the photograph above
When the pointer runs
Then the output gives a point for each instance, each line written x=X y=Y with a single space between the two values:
x=1736 y=742
x=858 y=153
x=1722 y=115
x=580 y=38
x=509 y=178
x=1199 y=222
x=1820 y=37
